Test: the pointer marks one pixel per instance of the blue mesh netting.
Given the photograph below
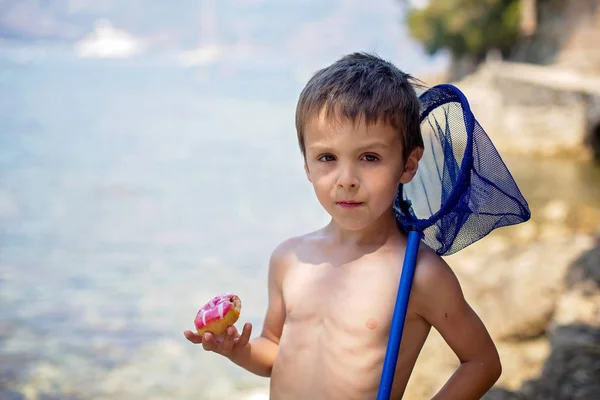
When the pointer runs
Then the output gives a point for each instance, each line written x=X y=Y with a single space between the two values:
x=462 y=190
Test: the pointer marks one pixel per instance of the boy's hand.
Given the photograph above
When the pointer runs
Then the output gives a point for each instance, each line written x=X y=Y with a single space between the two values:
x=230 y=344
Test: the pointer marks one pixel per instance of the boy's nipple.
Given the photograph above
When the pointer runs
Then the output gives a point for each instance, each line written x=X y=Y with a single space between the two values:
x=371 y=323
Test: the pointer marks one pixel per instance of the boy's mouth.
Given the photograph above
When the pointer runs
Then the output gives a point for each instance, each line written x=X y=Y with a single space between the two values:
x=349 y=204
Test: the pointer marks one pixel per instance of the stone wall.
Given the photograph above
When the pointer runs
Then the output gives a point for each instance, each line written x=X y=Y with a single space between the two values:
x=567 y=34
x=581 y=49
x=526 y=118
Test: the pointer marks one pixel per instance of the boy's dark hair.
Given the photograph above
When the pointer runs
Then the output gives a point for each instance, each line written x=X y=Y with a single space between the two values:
x=362 y=85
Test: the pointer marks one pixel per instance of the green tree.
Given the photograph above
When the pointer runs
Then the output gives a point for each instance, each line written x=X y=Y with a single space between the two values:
x=465 y=27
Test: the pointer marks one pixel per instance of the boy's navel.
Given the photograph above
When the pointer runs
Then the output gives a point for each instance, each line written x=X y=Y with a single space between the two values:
x=371 y=323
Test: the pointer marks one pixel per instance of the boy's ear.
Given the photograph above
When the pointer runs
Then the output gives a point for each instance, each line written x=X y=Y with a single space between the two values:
x=307 y=171
x=411 y=166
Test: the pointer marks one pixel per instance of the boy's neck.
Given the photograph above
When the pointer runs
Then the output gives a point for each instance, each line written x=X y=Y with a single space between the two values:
x=374 y=235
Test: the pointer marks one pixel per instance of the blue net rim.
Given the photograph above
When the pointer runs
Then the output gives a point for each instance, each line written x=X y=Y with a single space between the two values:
x=464 y=178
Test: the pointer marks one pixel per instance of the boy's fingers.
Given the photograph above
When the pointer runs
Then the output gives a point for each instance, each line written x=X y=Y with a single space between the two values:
x=225 y=342
x=228 y=341
x=208 y=342
x=234 y=331
x=245 y=337
x=193 y=337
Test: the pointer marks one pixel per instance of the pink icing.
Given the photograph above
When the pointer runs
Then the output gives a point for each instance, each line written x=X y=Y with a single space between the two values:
x=214 y=310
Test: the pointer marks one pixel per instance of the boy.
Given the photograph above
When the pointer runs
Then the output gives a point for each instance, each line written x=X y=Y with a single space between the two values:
x=332 y=292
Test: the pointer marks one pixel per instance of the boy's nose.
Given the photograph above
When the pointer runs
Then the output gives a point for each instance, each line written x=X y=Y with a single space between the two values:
x=347 y=178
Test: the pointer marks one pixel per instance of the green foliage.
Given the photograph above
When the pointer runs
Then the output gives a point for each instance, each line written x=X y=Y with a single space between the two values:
x=465 y=27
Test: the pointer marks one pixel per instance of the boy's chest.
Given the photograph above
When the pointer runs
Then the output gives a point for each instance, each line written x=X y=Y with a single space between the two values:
x=352 y=297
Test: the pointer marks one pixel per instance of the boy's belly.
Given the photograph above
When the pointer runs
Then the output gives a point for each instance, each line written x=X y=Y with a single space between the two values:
x=349 y=367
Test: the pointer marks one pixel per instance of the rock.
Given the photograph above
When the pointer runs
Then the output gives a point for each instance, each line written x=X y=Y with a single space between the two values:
x=501 y=394
x=531 y=298
x=525 y=117
x=526 y=232
x=586 y=219
x=572 y=368
x=522 y=361
x=551 y=230
x=534 y=276
x=586 y=268
x=572 y=372
x=575 y=307
x=556 y=211
x=436 y=363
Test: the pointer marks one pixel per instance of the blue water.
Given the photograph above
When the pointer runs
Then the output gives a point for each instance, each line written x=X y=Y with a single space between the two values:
x=126 y=202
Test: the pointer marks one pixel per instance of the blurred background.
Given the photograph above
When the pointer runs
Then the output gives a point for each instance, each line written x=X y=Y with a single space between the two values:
x=148 y=161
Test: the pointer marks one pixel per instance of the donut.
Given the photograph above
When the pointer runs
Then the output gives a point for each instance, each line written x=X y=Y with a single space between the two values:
x=218 y=314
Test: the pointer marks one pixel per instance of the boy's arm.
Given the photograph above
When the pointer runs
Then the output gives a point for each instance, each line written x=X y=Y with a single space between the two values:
x=439 y=300
x=259 y=357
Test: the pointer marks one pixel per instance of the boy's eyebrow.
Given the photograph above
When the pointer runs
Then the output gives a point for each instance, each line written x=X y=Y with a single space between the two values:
x=376 y=144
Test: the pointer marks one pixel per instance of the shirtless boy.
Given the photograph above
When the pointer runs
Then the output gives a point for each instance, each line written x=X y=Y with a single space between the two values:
x=332 y=292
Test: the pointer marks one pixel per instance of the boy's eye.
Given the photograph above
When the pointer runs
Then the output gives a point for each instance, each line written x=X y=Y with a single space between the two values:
x=370 y=157
x=326 y=158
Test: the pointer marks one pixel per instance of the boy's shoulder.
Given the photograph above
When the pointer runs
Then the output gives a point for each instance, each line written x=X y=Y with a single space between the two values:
x=289 y=250
x=434 y=282
x=431 y=270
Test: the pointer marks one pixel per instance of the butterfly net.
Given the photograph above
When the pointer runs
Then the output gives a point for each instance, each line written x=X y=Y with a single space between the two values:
x=462 y=189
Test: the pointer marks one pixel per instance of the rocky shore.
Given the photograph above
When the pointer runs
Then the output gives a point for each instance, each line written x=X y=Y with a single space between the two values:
x=537 y=288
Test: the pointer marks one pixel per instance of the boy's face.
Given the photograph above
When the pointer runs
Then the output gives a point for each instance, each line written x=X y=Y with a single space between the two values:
x=355 y=169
